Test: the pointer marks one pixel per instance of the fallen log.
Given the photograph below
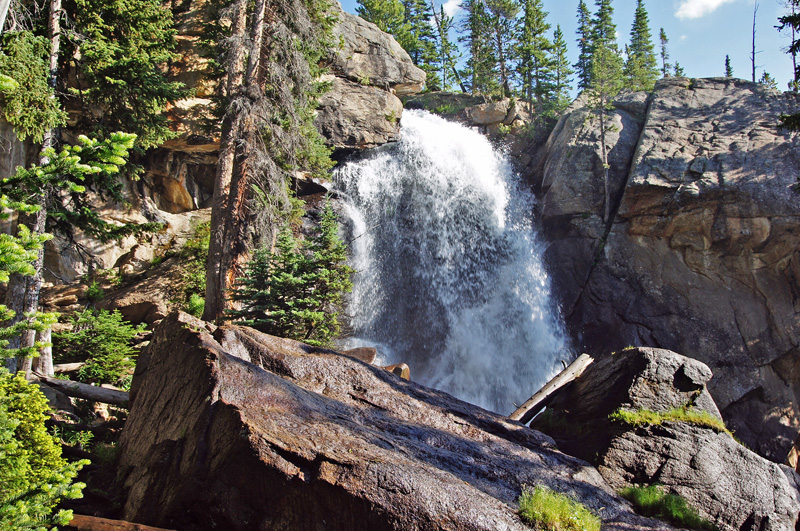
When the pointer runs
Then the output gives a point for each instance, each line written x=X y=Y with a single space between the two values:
x=87 y=392
x=93 y=523
x=534 y=404
x=67 y=367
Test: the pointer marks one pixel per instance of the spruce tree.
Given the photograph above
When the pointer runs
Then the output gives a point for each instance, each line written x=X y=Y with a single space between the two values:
x=607 y=81
x=502 y=15
x=447 y=51
x=792 y=122
x=476 y=34
x=533 y=48
x=388 y=15
x=604 y=31
x=584 y=65
x=641 y=68
x=420 y=40
x=296 y=290
x=728 y=68
x=561 y=72
x=665 y=66
x=678 y=70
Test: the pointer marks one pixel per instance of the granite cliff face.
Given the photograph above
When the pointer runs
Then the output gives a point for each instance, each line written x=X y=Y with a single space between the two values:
x=702 y=254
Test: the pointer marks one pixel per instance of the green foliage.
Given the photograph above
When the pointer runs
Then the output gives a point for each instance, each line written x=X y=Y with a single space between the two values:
x=641 y=68
x=728 y=67
x=94 y=292
x=33 y=475
x=296 y=290
x=101 y=339
x=654 y=502
x=196 y=305
x=663 y=40
x=688 y=414
x=28 y=102
x=195 y=255
x=584 y=65
x=532 y=50
x=122 y=46
x=67 y=176
x=546 y=510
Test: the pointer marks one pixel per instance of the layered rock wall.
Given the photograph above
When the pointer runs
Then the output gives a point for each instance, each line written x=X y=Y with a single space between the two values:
x=702 y=255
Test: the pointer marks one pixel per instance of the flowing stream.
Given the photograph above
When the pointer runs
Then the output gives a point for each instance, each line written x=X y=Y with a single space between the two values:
x=449 y=277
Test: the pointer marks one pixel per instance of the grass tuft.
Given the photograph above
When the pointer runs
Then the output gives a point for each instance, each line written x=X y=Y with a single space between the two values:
x=698 y=417
x=652 y=501
x=546 y=510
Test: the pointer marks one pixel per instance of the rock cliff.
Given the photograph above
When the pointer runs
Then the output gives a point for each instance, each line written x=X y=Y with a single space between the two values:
x=233 y=429
x=701 y=255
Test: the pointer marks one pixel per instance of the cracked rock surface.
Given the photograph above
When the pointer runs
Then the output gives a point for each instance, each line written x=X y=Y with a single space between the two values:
x=233 y=429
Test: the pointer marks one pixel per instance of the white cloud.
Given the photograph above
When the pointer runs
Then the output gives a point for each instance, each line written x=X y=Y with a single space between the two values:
x=684 y=37
x=451 y=6
x=698 y=8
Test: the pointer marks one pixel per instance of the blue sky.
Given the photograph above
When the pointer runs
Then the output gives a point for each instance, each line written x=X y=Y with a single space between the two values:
x=700 y=32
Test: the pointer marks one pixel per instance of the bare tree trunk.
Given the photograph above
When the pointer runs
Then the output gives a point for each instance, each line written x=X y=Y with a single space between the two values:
x=604 y=154
x=230 y=214
x=753 y=53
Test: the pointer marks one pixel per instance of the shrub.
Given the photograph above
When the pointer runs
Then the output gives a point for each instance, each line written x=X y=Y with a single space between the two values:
x=552 y=511
x=196 y=305
x=652 y=501
x=94 y=292
x=33 y=475
x=101 y=339
x=195 y=254
x=698 y=417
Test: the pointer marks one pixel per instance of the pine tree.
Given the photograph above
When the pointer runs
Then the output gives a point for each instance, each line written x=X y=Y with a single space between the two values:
x=678 y=70
x=641 y=68
x=446 y=50
x=502 y=14
x=476 y=34
x=584 y=65
x=388 y=15
x=561 y=72
x=296 y=290
x=533 y=48
x=792 y=21
x=604 y=31
x=607 y=81
x=665 y=66
x=119 y=55
x=768 y=81
x=728 y=68
x=420 y=40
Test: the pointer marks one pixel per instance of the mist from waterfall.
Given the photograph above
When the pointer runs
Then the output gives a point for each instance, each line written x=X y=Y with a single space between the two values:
x=449 y=276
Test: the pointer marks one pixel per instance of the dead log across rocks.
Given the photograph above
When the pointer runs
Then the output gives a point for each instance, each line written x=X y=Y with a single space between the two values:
x=534 y=404
x=67 y=367
x=287 y=436
x=87 y=392
x=82 y=522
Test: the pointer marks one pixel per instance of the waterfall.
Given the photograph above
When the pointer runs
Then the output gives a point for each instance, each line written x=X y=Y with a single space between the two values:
x=449 y=277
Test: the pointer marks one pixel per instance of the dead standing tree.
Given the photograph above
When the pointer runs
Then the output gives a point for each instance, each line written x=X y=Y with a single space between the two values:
x=270 y=61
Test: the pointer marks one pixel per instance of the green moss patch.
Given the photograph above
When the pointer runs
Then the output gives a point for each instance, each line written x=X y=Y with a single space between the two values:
x=654 y=502
x=544 y=509
x=642 y=417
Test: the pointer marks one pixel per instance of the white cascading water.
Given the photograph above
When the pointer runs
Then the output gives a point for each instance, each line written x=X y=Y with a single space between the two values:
x=449 y=277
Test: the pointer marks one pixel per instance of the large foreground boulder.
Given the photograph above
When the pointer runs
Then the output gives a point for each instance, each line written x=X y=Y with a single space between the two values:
x=233 y=429
x=727 y=483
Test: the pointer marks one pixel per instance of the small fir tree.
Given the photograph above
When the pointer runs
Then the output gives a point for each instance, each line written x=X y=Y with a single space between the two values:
x=665 y=66
x=678 y=70
x=728 y=68
x=533 y=53
x=476 y=34
x=420 y=40
x=446 y=50
x=502 y=16
x=296 y=290
x=641 y=68
x=561 y=72
x=604 y=31
x=792 y=20
x=584 y=65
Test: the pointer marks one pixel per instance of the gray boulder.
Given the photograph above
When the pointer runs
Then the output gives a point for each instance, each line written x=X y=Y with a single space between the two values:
x=727 y=483
x=233 y=429
x=703 y=253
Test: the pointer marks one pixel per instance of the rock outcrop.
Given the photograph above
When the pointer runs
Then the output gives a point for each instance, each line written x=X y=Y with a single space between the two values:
x=727 y=483
x=701 y=255
x=233 y=429
x=368 y=73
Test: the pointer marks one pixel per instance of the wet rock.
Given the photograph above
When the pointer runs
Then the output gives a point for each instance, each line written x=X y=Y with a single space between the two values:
x=234 y=429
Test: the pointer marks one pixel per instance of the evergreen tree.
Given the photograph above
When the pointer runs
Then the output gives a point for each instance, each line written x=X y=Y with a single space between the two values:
x=584 y=65
x=477 y=36
x=768 y=81
x=533 y=48
x=607 y=81
x=728 y=68
x=604 y=31
x=665 y=66
x=792 y=21
x=420 y=40
x=446 y=50
x=641 y=68
x=388 y=15
x=296 y=290
x=561 y=72
x=678 y=70
x=502 y=14
x=121 y=47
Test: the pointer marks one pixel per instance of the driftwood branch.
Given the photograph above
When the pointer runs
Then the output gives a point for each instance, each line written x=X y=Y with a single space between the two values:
x=87 y=392
x=93 y=523
x=529 y=409
x=67 y=367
